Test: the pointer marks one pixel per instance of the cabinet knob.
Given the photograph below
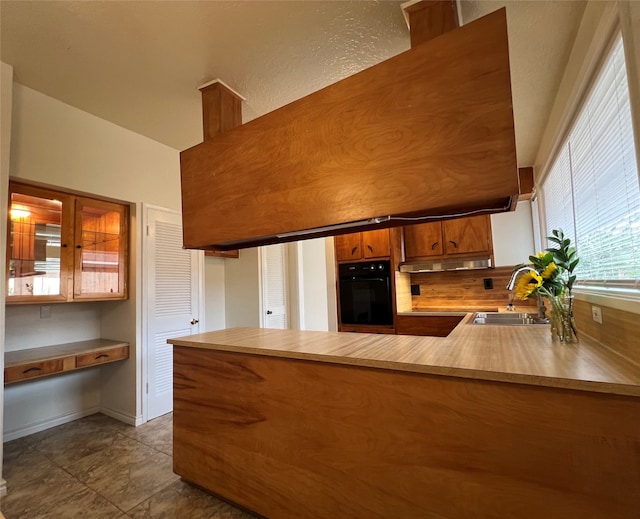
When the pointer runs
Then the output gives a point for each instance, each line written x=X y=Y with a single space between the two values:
x=63 y=245
x=269 y=312
x=194 y=321
x=78 y=246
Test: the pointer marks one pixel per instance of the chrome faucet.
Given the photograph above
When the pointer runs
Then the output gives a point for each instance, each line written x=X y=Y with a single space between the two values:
x=542 y=317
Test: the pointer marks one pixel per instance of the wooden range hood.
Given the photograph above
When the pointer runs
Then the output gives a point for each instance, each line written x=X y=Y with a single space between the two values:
x=427 y=133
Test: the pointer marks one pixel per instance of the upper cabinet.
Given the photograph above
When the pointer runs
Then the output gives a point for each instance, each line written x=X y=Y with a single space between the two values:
x=101 y=239
x=460 y=237
x=61 y=247
x=363 y=245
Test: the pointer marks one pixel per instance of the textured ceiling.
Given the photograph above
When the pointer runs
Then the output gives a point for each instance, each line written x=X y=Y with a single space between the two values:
x=138 y=64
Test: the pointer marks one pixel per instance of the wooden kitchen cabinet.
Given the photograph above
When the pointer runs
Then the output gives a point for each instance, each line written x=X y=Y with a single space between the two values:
x=62 y=247
x=101 y=238
x=363 y=245
x=462 y=236
x=427 y=325
x=423 y=240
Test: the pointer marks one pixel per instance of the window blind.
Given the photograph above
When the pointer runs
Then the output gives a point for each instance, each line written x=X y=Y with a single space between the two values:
x=592 y=190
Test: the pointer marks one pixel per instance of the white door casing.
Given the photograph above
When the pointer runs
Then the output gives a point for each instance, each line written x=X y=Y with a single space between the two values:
x=273 y=286
x=172 y=303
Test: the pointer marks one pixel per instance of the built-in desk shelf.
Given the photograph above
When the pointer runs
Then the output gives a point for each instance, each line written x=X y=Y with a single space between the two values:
x=59 y=358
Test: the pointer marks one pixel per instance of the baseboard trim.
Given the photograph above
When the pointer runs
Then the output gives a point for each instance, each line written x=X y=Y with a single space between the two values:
x=123 y=417
x=47 y=424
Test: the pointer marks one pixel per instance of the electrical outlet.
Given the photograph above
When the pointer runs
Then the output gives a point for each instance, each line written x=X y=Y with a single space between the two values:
x=415 y=290
x=45 y=312
x=488 y=283
x=596 y=313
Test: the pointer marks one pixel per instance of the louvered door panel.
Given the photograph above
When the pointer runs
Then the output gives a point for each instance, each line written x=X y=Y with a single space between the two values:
x=172 y=301
x=274 y=286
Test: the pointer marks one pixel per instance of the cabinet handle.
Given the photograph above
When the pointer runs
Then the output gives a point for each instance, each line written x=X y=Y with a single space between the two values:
x=269 y=312
x=435 y=244
x=353 y=251
x=78 y=246
x=102 y=356
x=31 y=369
x=454 y=243
x=64 y=245
x=370 y=248
x=194 y=321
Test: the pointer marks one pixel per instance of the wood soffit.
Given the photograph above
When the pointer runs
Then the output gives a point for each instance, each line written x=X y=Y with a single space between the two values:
x=439 y=117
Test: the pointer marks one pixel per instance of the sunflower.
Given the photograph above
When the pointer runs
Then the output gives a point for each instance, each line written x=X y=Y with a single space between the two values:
x=527 y=284
x=549 y=270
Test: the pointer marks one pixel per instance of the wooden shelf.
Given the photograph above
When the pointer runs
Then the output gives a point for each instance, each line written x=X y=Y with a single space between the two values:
x=59 y=358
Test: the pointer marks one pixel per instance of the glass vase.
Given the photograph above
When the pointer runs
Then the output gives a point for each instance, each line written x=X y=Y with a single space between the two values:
x=563 y=328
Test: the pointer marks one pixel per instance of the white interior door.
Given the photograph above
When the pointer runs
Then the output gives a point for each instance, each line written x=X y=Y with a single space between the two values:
x=273 y=275
x=172 y=294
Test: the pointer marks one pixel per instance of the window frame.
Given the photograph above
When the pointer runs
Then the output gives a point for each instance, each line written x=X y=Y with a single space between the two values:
x=627 y=291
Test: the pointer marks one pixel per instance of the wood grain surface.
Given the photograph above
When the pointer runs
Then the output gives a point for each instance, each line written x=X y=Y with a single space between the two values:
x=619 y=331
x=430 y=19
x=45 y=360
x=464 y=290
x=221 y=111
x=520 y=354
x=436 y=326
x=289 y=438
x=439 y=117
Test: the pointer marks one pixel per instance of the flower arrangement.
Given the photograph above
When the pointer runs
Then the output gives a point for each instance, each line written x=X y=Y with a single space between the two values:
x=551 y=275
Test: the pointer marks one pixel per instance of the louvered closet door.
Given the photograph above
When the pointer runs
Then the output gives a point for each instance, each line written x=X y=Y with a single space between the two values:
x=274 y=286
x=172 y=296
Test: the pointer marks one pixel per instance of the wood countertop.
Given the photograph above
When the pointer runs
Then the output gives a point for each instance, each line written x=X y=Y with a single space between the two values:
x=517 y=354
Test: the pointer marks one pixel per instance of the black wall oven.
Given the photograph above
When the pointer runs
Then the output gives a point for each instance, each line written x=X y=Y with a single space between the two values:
x=365 y=293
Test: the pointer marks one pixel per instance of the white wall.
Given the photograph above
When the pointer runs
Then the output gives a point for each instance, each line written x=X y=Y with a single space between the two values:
x=312 y=285
x=311 y=277
x=68 y=323
x=597 y=21
x=56 y=144
x=513 y=235
x=6 y=94
x=214 y=292
x=242 y=290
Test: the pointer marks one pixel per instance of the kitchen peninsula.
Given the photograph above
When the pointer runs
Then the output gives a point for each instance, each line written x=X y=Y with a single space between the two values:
x=488 y=422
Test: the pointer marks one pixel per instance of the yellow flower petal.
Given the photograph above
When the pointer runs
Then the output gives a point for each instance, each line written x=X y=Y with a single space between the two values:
x=527 y=285
x=548 y=272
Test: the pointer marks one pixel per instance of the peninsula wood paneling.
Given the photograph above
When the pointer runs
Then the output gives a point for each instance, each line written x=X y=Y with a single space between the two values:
x=289 y=438
x=429 y=131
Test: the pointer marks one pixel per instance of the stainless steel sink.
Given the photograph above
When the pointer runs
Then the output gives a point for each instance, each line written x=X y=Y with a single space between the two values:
x=507 y=318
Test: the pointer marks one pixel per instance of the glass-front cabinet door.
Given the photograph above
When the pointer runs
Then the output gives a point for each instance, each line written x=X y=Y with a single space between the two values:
x=101 y=250
x=39 y=247
x=62 y=247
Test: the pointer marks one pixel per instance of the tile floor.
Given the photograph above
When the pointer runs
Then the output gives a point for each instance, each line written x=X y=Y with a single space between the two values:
x=98 y=467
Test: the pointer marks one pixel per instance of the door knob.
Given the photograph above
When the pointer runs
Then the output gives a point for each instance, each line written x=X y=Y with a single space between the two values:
x=194 y=321
x=269 y=312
